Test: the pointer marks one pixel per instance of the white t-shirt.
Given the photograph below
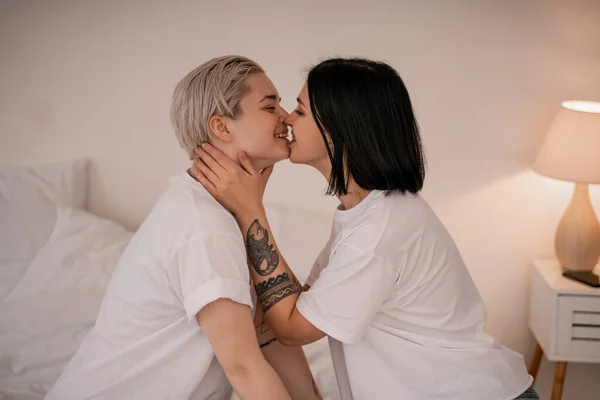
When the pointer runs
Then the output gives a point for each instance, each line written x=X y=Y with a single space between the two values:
x=147 y=343
x=393 y=288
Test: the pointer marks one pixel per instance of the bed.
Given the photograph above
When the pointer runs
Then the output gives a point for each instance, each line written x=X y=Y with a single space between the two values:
x=56 y=260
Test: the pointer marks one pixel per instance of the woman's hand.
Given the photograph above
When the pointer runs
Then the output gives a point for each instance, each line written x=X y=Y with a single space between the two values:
x=238 y=189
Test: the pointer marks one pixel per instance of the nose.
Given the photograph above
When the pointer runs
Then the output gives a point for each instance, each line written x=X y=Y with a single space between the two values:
x=288 y=119
x=282 y=113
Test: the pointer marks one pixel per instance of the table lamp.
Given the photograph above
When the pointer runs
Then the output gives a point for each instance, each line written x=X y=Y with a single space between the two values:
x=571 y=152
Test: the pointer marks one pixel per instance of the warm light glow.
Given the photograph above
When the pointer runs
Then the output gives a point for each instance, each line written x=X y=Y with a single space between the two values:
x=571 y=150
x=583 y=106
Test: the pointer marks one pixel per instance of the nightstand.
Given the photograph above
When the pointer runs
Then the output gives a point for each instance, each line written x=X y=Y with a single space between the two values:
x=564 y=317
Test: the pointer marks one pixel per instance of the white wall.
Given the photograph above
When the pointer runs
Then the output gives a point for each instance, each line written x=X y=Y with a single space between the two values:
x=94 y=79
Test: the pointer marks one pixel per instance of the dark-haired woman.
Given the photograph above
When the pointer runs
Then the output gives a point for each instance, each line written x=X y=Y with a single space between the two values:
x=390 y=289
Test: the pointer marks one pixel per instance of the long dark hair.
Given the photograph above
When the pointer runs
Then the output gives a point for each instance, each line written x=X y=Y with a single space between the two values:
x=365 y=116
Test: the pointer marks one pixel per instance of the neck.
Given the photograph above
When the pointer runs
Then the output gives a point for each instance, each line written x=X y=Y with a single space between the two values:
x=355 y=195
x=232 y=152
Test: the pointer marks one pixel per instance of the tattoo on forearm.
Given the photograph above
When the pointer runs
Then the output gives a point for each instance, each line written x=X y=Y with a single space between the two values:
x=260 y=251
x=272 y=291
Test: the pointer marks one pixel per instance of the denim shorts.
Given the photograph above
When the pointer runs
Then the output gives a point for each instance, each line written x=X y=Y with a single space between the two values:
x=529 y=394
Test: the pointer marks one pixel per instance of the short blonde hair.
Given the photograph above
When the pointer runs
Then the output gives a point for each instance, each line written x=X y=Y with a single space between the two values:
x=214 y=88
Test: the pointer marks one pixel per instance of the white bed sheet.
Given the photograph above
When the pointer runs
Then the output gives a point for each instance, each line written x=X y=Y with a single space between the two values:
x=54 y=305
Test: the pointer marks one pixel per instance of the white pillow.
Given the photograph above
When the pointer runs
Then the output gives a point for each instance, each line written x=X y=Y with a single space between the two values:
x=81 y=253
x=28 y=200
x=55 y=304
x=39 y=335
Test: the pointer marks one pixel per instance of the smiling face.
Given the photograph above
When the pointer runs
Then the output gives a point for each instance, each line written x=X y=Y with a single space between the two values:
x=307 y=146
x=259 y=129
x=229 y=102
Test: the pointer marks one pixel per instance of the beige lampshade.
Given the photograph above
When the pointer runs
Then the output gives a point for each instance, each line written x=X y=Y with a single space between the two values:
x=571 y=150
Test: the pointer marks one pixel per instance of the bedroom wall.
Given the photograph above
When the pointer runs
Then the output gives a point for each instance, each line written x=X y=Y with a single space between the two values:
x=94 y=79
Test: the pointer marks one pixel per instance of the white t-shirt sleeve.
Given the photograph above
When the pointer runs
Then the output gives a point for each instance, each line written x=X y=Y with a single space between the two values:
x=348 y=293
x=208 y=268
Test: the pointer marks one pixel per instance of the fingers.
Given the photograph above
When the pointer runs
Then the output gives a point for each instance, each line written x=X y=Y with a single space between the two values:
x=247 y=164
x=210 y=161
x=200 y=166
x=199 y=176
x=218 y=156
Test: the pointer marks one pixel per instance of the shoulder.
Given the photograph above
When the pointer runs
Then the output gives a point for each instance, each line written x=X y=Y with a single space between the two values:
x=186 y=210
x=391 y=219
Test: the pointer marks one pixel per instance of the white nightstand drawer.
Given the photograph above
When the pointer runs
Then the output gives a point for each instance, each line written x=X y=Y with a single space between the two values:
x=578 y=325
x=585 y=332
x=586 y=317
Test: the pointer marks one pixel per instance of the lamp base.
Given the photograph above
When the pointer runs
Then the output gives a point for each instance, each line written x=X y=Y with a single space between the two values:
x=577 y=241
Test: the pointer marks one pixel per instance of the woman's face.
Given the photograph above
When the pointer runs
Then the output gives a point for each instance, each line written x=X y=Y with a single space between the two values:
x=260 y=130
x=307 y=145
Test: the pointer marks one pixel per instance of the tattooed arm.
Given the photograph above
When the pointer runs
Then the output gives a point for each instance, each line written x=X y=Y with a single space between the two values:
x=240 y=190
x=276 y=285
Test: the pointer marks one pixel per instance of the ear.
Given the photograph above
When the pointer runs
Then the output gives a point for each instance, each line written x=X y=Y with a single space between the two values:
x=218 y=126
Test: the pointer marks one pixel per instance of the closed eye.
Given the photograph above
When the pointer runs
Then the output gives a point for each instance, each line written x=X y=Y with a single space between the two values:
x=297 y=111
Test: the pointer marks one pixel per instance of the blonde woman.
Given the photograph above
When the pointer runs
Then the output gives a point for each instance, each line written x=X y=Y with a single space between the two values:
x=176 y=321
